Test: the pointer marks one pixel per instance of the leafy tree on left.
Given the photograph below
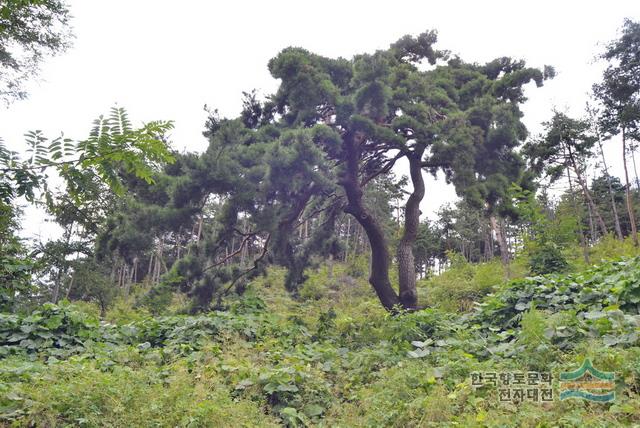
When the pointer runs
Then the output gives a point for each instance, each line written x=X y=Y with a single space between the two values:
x=113 y=153
x=113 y=149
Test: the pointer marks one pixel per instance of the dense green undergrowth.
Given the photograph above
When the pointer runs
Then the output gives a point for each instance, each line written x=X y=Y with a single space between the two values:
x=332 y=359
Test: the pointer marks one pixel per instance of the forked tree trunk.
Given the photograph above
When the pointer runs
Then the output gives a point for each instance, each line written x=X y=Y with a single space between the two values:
x=406 y=260
x=380 y=258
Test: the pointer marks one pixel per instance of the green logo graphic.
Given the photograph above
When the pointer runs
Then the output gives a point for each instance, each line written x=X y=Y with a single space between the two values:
x=588 y=383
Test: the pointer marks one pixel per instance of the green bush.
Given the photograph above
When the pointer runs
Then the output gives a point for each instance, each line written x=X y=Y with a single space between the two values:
x=461 y=284
x=610 y=248
x=122 y=311
x=535 y=344
x=547 y=259
x=77 y=393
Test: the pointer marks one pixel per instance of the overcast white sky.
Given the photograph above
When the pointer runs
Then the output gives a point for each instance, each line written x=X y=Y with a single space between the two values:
x=166 y=59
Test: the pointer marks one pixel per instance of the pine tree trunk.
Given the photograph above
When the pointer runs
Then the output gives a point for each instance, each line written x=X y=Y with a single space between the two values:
x=380 y=258
x=632 y=217
x=406 y=259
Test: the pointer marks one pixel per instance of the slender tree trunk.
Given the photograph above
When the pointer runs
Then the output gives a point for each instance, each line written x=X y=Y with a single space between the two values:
x=156 y=275
x=199 y=228
x=406 y=259
x=585 y=190
x=121 y=274
x=635 y=170
x=616 y=218
x=135 y=269
x=150 y=267
x=505 y=232
x=380 y=258
x=62 y=268
x=245 y=246
x=632 y=217
x=73 y=278
x=614 y=209
x=399 y=228
x=357 y=231
x=346 y=246
x=129 y=278
x=56 y=286
x=488 y=242
x=593 y=209
x=178 y=244
x=330 y=267
x=502 y=243
x=487 y=251
x=156 y=267
x=190 y=238
x=583 y=241
x=592 y=226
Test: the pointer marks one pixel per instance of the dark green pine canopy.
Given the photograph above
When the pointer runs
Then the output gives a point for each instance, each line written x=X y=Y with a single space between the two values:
x=334 y=128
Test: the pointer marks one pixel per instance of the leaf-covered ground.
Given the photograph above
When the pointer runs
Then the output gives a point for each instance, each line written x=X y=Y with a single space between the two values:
x=332 y=359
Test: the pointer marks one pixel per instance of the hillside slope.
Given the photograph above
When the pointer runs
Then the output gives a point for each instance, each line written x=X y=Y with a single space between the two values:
x=332 y=359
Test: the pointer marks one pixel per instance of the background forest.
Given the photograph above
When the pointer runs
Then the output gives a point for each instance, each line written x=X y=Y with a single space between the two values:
x=287 y=275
